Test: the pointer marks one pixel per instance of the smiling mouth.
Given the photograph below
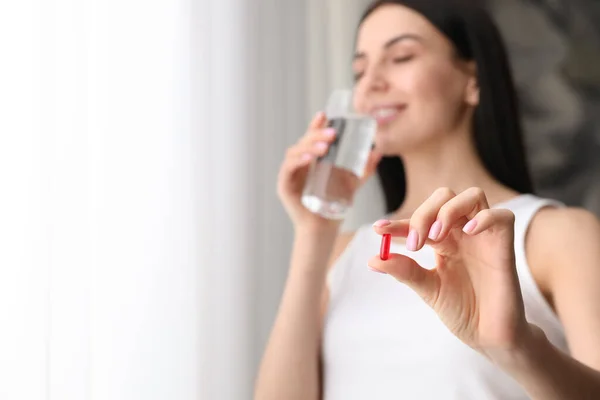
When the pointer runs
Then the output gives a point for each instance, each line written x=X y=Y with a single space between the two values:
x=385 y=115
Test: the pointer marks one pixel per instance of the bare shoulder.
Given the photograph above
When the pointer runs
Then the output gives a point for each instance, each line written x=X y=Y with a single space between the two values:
x=555 y=231
x=562 y=240
x=564 y=257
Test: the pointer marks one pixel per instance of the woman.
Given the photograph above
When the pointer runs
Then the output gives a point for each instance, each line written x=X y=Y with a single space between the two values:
x=492 y=293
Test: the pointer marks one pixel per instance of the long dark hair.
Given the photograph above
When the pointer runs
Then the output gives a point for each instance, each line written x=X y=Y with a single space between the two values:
x=497 y=126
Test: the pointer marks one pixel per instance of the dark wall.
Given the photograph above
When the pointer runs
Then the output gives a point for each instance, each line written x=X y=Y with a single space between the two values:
x=555 y=51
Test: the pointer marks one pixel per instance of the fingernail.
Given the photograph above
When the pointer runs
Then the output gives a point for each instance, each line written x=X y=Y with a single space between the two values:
x=435 y=230
x=413 y=240
x=470 y=226
x=306 y=157
x=381 y=223
x=329 y=132
x=376 y=270
x=321 y=146
x=319 y=114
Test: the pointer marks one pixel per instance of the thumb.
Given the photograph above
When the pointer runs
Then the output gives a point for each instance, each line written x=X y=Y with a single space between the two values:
x=372 y=163
x=406 y=270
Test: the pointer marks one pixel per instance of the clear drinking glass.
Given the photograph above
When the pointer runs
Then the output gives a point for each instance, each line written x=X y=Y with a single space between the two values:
x=333 y=179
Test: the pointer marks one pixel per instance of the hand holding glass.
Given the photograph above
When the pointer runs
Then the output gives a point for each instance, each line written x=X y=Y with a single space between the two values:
x=334 y=178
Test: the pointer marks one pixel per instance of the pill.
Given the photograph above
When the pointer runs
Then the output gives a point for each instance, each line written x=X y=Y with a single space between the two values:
x=386 y=241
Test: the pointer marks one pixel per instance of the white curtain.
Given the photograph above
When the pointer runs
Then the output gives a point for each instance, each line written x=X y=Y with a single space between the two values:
x=142 y=247
x=332 y=28
x=99 y=270
x=249 y=105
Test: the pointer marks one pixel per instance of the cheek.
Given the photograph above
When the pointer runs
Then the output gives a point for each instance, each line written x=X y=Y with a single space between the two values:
x=433 y=95
x=432 y=87
x=435 y=100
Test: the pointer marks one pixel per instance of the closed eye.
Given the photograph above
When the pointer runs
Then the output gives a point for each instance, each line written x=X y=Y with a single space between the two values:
x=399 y=60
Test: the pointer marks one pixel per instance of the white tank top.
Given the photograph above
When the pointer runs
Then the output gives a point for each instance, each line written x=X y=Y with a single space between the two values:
x=381 y=341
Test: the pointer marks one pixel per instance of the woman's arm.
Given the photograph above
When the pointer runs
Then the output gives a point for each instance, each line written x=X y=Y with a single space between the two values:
x=566 y=243
x=546 y=373
x=290 y=365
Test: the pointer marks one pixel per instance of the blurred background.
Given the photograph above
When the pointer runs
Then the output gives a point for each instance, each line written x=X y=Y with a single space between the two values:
x=142 y=247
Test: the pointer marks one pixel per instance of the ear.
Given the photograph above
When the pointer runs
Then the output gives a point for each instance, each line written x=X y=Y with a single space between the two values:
x=472 y=89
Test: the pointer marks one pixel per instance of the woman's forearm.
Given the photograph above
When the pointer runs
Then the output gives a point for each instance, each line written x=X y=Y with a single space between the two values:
x=290 y=366
x=547 y=373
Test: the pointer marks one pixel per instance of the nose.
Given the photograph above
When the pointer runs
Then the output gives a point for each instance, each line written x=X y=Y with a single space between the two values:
x=375 y=80
x=373 y=83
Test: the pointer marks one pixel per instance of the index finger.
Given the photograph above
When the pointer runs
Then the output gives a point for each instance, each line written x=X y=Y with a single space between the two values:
x=318 y=121
x=399 y=228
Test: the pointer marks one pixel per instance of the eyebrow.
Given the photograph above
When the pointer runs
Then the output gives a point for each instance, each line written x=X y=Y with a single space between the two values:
x=391 y=42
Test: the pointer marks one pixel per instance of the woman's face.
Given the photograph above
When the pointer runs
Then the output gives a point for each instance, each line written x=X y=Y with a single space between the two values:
x=409 y=78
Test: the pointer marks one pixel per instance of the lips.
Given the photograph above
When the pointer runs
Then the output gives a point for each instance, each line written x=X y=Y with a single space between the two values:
x=387 y=114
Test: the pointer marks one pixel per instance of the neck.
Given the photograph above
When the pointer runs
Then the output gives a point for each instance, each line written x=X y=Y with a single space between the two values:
x=451 y=163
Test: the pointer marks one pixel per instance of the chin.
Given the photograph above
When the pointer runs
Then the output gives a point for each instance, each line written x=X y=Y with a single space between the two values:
x=390 y=146
x=397 y=141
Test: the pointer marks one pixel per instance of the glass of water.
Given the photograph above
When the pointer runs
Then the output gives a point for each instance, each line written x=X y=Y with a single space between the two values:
x=334 y=178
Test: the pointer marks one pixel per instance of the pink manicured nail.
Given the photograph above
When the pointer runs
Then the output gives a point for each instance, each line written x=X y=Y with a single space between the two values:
x=470 y=226
x=381 y=223
x=329 y=132
x=413 y=240
x=435 y=230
